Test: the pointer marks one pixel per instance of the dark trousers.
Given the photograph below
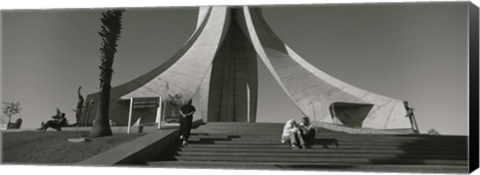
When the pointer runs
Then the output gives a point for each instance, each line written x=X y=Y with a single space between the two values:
x=51 y=124
x=185 y=127
x=309 y=136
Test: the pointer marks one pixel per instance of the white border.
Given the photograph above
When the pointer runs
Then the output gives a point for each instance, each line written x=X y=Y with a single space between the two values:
x=88 y=4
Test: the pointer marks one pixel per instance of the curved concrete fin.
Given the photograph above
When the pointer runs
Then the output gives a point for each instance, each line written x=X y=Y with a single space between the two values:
x=202 y=13
x=186 y=74
x=122 y=89
x=312 y=90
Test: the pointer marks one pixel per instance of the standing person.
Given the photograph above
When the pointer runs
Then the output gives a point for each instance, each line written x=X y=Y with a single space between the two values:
x=186 y=112
x=307 y=131
x=292 y=134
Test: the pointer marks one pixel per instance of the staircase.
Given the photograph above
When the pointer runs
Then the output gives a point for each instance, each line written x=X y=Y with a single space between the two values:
x=257 y=146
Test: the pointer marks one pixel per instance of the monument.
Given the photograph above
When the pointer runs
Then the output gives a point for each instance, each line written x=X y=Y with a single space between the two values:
x=219 y=63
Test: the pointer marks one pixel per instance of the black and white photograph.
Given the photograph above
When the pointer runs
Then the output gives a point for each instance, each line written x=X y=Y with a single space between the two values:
x=385 y=87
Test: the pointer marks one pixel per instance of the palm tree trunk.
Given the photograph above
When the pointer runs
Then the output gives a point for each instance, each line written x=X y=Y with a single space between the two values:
x=110 y=33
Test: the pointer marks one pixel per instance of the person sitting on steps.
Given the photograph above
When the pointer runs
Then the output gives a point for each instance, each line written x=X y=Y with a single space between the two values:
x=292 y=134
x=56 y=123
x=307 y=131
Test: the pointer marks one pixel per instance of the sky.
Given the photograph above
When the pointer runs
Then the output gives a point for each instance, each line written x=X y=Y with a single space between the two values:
x=415 y=52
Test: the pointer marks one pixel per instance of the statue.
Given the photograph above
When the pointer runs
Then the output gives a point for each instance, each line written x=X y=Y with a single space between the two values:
x=78 y=110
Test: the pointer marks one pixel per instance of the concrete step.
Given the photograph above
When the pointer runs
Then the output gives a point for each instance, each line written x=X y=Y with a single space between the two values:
x=229 y=132
x=277 y=137
x=300 y=153
x=324 y=141
x=332 y=146
x=343 y=152
x=257 y=146
x=271 y=128
x=313 y=166
x=246 y=128
x=320 y=136
x=352 y=160
x=321 y=151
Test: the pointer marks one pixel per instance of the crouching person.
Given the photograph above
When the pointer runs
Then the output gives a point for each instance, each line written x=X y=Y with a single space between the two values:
x=291 y=134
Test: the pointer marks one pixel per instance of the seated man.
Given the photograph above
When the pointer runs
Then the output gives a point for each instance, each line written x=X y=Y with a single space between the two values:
x=307 y=131
x=56 y=123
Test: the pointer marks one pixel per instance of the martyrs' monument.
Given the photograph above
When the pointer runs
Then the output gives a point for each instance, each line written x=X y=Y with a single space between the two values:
x=219 y=63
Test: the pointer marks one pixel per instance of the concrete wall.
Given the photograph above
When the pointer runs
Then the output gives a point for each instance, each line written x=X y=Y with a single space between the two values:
x=312 y=90
x=140 y=150
x=233 y=81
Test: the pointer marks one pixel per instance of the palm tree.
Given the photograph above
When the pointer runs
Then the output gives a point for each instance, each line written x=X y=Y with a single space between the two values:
x=110 y=33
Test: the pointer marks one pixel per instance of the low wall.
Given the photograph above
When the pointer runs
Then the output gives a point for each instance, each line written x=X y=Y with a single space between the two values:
x=115 y=129
x=138 y=151
x=120 y=129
